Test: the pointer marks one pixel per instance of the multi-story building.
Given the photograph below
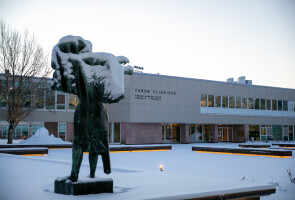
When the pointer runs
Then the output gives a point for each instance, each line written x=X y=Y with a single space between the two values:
x=167 y=109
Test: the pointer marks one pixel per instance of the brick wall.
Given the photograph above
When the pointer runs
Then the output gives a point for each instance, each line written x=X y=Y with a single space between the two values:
x=239 y=133
x=52 y=127
x=141 y=133
x=70 y=132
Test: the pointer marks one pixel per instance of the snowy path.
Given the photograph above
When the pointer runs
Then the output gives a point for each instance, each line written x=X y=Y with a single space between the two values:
x=137 y=176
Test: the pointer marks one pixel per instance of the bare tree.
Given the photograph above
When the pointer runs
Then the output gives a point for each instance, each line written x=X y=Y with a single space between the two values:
x=23 y=72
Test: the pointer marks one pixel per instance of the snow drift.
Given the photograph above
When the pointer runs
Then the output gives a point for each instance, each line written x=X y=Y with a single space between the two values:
x=42 y=136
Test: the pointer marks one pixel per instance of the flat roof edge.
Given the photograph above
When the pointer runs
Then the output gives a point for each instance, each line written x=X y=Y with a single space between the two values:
x=205 y=80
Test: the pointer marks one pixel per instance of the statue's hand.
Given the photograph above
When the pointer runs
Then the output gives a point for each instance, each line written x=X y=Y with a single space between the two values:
x=75 y=64
x=65 y=62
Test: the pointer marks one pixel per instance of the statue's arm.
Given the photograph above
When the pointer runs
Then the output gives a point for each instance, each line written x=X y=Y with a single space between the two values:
x=66 y=69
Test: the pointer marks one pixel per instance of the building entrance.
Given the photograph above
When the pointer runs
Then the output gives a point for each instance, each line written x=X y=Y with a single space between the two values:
x=171 y=133
x=225 y=133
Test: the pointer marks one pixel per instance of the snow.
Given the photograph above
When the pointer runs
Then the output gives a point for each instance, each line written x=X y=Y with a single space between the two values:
x=42 y=136
x=17 y=149
x=111 y=74
x=15 y=141
x=137 y=175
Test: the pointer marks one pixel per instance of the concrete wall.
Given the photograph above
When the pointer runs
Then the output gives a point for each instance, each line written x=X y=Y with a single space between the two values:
x=239 y=134
x=214 y=133
x=157 y=98
x=137 y=133
x=184 y=133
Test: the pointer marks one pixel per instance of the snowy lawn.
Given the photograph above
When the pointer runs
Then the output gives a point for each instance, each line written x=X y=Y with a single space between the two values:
x=136 y=175
x=4 y=141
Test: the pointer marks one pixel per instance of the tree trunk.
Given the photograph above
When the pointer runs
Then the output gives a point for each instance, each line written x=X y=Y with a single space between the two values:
x=11 y=131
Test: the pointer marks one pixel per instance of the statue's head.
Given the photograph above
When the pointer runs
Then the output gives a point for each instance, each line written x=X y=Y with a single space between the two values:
x=73 y=56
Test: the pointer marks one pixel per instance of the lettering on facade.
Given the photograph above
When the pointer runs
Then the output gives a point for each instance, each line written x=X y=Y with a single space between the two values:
x=147 y=94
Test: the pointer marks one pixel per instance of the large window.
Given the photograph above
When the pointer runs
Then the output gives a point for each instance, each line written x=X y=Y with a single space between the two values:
x=210 y=100
x=27 y=101
x=206 y=133
x=285 y=105
x=60 y=101
x=217 y=101
x=268 y=104
x=263 y=135
x=39 y=98
x=224 y=101
x=73 y=101
x=280 y=105
x=257 y=104
x=18 y=132
x=50 y=99
x=254 y=132
x=238 y=102
x=277 y=132
x=62 y=131
x=5 y=131
x=25 y=131
x=291 y=106
x=251 y=103
x=274 y=105
x=291 y=133
x=231 y=102
x=117 y=133
x=196 y=133
x=22 y=131
x=262 y=101
x=244 y=103
x=204 y=100
x=35 y=127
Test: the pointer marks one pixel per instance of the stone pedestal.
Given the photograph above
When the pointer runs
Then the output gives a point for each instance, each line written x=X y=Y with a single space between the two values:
x=84 y=186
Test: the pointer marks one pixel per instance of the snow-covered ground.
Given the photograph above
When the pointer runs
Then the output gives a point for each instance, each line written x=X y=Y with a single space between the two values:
x=4 y=141
x=136 y=175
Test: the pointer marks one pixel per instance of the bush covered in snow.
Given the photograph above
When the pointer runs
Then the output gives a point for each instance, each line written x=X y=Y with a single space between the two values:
x=42 y=136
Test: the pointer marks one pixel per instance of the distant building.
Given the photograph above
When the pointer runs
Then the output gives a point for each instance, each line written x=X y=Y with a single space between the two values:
x=167 y=109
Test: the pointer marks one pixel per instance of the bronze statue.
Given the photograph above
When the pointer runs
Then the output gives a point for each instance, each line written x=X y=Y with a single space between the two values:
x=96 y=78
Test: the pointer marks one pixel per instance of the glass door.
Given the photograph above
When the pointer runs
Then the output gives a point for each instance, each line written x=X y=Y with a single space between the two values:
x=220 y=134
x=225 y=133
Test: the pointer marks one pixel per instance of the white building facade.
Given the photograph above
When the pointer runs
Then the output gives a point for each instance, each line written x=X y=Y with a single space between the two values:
x=167 y=109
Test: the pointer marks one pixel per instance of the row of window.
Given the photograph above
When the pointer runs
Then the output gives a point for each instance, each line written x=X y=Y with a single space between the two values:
x=271 y=132
x=246 y=103
x=50 y=100
x=22 y=131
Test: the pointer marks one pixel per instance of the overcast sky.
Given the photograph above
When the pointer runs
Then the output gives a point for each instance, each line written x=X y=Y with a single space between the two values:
x=205 y=39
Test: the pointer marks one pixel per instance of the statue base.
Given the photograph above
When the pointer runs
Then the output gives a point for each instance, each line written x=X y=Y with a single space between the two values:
x=82 y=187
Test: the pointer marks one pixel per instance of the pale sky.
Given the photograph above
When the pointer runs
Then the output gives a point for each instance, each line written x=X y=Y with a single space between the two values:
x=205 y=39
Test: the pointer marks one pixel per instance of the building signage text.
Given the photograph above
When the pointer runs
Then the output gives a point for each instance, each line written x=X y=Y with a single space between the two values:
x=147 y=94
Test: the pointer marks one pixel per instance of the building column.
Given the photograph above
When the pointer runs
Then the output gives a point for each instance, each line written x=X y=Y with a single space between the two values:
x=239 y=133
x=184 y=133
x=213 y=133
x=123 y=133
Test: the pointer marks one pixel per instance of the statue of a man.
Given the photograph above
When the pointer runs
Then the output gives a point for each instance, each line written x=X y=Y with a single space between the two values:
x=96 y=78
